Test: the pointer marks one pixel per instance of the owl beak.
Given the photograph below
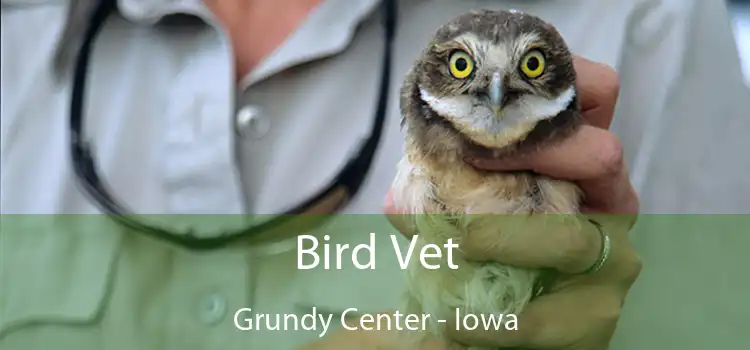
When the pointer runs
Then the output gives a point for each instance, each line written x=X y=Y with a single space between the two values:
x=495 y=92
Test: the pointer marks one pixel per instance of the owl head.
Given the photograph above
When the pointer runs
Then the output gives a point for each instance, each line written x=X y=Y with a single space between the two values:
x=495 y=77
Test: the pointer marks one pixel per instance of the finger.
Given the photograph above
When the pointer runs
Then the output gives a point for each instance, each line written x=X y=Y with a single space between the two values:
x=566 y=243
x=586 y=154
x=598 y=88
x=555 y=321
x=592 y=157
x=397 y=218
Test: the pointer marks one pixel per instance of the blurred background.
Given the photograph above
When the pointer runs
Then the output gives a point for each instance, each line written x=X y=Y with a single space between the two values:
x=740 y=10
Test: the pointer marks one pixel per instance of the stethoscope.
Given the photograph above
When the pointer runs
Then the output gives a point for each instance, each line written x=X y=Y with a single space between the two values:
x=297 y=220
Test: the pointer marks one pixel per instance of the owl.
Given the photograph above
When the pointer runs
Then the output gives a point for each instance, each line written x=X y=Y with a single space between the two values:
x=497 y=83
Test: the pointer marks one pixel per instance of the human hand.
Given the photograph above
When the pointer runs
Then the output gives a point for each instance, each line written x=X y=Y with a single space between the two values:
x=580 y=311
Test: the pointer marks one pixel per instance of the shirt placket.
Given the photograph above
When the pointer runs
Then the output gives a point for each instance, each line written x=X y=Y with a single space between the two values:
x=198 y=167
x=199 y=163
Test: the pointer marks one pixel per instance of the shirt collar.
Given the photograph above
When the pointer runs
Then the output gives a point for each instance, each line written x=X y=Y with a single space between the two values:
x=327 y=30
x=141 y=11
x=151 y=11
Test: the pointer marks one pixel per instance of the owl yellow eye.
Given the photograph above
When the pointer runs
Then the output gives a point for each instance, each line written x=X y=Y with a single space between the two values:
x=533 y=64
x=461 y=65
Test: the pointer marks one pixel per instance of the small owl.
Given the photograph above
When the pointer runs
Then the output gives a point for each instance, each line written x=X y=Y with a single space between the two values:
x=495 y=83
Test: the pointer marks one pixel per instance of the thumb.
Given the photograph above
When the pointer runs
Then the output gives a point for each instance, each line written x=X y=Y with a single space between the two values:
x=589 y=153
x=399 y=220
x=591 y=157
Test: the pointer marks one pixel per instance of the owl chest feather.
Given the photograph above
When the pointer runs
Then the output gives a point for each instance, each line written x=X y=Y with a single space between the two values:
x=432 y=187
x=439 y=186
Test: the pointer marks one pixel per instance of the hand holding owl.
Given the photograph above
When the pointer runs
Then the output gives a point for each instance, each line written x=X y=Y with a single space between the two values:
x=580 y=312
x=503 y=120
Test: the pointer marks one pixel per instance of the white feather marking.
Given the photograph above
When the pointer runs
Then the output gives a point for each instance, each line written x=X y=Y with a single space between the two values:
x=411 y=188
x=464 y=110
x=523 y=42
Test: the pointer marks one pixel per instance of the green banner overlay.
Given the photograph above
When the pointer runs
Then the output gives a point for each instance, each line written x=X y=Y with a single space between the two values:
x=316 y=273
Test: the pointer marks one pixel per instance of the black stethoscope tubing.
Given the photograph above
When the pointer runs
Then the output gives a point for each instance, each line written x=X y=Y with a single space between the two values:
x=351 y=176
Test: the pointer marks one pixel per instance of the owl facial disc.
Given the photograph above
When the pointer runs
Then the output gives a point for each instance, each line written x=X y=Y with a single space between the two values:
x=494 y=80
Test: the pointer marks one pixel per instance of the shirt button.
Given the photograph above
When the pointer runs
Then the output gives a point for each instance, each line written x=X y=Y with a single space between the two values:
x=251 y=123
x=212 y=308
